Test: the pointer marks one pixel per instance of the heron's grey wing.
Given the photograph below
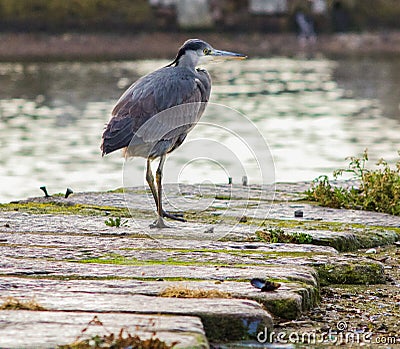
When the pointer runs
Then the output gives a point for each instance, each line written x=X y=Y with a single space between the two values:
x=183 y=102
x=133 y=109
x=147 y=97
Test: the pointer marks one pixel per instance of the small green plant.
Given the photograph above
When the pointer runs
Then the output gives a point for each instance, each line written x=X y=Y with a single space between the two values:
x=116 y=222
x=378 y=189
x=302 y=238
x=274 y=235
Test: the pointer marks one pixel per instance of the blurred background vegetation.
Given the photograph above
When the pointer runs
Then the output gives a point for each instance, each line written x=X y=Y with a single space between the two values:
x=145 y=15
x=60 y=15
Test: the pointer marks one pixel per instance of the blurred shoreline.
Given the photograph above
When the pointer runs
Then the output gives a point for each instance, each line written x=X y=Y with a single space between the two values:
x=116 y=46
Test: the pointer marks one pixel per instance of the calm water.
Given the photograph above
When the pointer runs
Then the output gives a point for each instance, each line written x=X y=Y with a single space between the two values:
x=312 y=114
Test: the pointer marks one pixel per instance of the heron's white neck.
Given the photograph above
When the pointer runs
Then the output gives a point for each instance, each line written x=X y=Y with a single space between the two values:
x=189 y=60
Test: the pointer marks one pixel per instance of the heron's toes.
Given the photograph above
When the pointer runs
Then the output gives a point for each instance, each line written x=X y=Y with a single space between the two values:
x=159 y=223
x=176 y=216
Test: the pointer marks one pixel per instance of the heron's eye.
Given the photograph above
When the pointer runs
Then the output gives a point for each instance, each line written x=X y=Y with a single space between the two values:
x=206 y=51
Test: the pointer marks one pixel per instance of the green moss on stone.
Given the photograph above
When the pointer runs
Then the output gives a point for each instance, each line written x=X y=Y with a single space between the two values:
x=231 y=328
x=362 y=273
x=285 y=308
x=60 y=208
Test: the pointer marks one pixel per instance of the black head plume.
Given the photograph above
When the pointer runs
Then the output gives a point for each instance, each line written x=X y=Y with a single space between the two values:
x=191 y=44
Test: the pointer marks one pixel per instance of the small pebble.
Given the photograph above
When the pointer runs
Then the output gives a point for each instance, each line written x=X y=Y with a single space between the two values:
x=347 y=295
x=243 y=219
x=298 y=213
x=251 y=247
x=209 y=231
x=370 y=251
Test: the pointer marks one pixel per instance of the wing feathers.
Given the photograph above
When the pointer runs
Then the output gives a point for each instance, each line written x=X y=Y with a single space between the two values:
x=143 y=111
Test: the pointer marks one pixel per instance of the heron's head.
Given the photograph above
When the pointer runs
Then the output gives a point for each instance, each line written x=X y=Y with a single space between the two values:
x=195 y=51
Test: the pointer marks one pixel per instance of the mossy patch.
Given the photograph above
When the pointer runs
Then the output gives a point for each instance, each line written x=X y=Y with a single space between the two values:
x=231 y=328
x=362 y=273
x=116 y=259
x=235 y=252
x=286 y=308
x=63 y=208
x=350 y=237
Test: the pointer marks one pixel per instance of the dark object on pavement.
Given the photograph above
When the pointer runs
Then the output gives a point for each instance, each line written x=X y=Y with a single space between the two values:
x=298 y=213
x=265 y=285
x=44 y=189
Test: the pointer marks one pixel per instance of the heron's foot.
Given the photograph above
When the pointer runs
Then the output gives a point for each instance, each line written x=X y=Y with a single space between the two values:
x=176 y=216
x=159 y=223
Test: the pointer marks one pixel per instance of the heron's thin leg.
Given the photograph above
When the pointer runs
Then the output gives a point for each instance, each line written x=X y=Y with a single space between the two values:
x=159 y=223
x=150 y=182
x=159 y=185
x=157 y=197
x=160 y=210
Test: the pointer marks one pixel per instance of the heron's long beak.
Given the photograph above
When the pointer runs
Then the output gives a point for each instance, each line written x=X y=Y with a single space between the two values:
x=218 y=54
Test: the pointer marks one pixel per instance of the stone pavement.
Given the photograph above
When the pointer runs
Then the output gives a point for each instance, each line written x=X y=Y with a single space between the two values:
x=61 y=253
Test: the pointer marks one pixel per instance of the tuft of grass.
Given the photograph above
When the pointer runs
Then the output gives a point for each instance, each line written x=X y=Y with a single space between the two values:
x=184 y=292
x=275 y=235
x=378 y=189
x=122 y=340
x=12 y=303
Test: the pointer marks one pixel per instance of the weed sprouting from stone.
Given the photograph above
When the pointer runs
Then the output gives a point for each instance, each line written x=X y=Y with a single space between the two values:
x=12 y=303
x=377 y=190
x=123 y=339
x=275 y=235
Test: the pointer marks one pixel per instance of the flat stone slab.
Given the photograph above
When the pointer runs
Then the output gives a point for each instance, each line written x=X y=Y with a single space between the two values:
x=223 y=319
x=145 y=256
x=137 y=227
x=342 y=236
x=118 y=242
x=276 y=201
x=36 y=267
x=289 y=301
x=47 y=329
x=219 y=217
x=289 y=264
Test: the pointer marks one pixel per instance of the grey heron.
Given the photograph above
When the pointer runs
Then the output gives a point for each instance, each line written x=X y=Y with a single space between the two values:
x=136 y=118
